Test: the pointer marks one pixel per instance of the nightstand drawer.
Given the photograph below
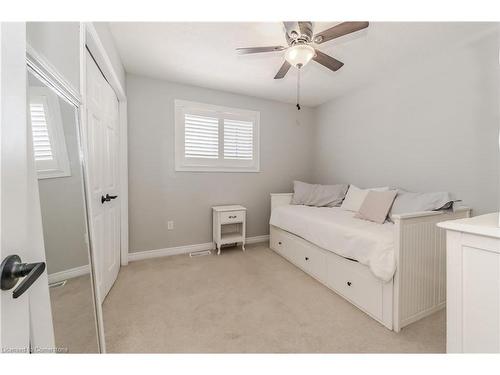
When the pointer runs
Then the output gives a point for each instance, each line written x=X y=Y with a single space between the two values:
x=232 y=217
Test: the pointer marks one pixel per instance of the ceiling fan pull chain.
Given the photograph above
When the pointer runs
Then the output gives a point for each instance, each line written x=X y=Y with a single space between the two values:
x=298 y=87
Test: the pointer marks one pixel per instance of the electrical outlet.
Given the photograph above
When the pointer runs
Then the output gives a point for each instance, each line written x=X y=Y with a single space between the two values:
x=170 y=224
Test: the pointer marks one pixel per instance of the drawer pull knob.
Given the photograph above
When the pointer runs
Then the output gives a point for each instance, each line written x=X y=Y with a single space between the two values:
x=307 y=258
x=349 y=283
x=279 y=243
x=232 y=217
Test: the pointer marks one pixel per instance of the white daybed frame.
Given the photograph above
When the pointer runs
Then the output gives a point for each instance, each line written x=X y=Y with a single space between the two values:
x=418 y=287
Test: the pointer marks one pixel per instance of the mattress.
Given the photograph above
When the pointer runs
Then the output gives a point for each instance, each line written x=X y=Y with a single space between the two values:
x=338 y=231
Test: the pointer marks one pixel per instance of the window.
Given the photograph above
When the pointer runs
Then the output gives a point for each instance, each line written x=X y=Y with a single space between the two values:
x=49 y=146
x=213 y=138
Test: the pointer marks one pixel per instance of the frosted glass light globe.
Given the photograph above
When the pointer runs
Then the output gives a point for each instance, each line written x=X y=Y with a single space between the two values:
x=299 y=54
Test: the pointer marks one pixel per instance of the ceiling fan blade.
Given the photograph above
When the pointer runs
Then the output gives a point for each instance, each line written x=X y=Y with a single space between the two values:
x=327 y=61
x=291 y=27
x=244 y=51
x=283 y=70
x=306 y=28
x=341 y=29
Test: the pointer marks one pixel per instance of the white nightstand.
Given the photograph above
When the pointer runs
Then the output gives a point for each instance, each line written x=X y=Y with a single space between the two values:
x=229 y=225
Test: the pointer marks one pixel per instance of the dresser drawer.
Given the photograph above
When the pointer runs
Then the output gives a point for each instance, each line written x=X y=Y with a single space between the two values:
x=232 y=217
x=356 y=283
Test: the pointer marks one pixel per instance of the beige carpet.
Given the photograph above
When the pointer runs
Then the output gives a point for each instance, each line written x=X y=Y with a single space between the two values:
x=252 y=302
x=73 y=316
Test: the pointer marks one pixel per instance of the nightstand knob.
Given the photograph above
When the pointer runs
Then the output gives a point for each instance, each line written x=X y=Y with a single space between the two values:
x=307 y=258
x=279 y=243
x=349 y=283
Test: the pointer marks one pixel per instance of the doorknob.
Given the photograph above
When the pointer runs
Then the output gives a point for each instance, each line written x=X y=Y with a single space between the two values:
x=107 y=198
x=11 y=270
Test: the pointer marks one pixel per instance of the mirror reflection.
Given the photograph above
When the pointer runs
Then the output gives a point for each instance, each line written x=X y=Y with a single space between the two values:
x=60 y=180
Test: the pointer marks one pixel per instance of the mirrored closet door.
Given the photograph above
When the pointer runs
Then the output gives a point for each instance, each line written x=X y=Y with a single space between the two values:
x=59 y=167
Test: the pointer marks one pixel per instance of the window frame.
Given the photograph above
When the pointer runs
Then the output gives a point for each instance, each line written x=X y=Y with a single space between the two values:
x=60 y=167
x=220 y=164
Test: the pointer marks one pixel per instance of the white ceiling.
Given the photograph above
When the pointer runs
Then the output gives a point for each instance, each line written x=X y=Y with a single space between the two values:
x=203 y=54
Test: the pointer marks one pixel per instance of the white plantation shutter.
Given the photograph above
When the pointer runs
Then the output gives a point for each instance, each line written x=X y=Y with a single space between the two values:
x=49 y=144
x=238 y=140
x=214 y=138
x=201 y=137
x=41 y=140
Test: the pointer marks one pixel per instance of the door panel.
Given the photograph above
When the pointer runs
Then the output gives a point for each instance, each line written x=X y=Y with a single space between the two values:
x=21 y=327
x=113 y=257
x=109 y=178
x=14 y=313
x=103 y=146
x=98 y=235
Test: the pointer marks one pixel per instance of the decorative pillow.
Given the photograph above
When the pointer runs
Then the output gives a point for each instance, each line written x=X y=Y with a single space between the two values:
x=355 y=197
x=376 y=205
x=318 y=195
x=408 y=202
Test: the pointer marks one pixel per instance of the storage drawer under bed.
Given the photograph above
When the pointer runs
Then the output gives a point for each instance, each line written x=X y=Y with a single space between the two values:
x=348 y=278
x=311 y=260
x=355 y=282
x=279 y=243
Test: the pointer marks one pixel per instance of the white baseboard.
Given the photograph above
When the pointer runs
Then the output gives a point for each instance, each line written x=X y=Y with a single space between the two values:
x=140 y=255
x=68 y=274
x=257 y=239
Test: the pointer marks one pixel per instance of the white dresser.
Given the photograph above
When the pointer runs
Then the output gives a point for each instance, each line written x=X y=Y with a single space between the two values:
x=473 y=284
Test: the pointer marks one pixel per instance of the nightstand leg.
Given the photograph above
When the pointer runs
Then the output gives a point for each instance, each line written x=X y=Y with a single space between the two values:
x=218 y=249
x=243 y=246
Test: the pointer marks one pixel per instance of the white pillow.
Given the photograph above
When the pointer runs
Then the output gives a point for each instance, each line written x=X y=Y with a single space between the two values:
x=356 y=196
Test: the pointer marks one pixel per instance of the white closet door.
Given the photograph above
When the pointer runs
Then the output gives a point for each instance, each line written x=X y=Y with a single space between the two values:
x=103 y=150
x=25 y=320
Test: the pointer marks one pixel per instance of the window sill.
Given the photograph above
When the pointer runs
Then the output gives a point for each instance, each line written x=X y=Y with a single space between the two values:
x=41 y=175
x=217 y=169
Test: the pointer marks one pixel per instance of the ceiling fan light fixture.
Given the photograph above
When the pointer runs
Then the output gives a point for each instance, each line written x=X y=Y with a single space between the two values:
x=299 y=54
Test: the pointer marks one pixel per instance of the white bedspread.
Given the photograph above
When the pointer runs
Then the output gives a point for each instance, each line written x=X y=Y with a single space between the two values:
x=336 y=230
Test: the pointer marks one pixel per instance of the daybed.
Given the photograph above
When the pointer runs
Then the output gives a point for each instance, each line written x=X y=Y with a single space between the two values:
x=395 y=272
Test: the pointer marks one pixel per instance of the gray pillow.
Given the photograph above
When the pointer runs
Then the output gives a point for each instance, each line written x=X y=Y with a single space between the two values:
x=376 y=205
x=318 y=195
x=301 y=192
x=408 y=202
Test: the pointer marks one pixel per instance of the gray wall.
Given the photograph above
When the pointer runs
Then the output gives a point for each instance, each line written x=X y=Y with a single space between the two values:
x=59 y=43
x=62 y=206
x=157 y=193
x=432 y=126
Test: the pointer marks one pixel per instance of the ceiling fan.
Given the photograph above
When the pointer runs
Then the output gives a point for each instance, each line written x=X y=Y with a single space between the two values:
x=301 y=46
